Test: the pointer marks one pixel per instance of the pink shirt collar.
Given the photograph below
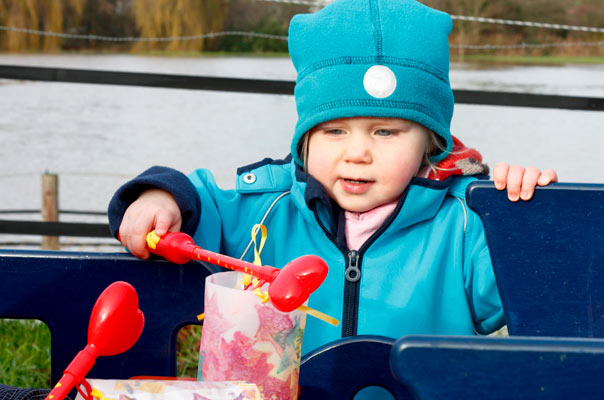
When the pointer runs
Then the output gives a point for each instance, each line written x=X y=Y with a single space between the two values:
x=360 y=226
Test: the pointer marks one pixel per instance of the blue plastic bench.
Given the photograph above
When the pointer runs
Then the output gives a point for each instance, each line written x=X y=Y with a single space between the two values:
x=548 y=257
x=495 y=368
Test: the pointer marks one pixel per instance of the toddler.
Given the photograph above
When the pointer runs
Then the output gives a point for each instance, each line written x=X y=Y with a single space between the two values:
x=405 y=253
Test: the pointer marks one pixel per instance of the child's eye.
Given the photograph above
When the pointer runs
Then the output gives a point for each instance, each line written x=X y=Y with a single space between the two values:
x=384 y=132
x=334 y=131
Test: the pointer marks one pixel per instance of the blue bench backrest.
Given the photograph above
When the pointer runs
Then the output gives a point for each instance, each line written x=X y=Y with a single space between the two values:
x=477 y=368
x=60 y=288
x=548 y=257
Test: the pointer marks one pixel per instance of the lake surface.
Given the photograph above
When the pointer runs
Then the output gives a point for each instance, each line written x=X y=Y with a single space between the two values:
x=98 y=136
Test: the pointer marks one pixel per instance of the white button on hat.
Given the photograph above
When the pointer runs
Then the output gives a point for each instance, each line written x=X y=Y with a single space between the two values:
x=379 y=81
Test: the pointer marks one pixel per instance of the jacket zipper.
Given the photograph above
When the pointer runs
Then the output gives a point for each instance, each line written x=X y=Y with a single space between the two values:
x=352 y=274
x=350 y=313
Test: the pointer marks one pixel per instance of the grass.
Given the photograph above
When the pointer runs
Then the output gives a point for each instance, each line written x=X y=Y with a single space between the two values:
x=187 y=350
x=25 y=353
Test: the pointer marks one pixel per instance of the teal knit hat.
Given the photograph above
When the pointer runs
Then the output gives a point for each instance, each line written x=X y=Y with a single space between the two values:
x=372 y=58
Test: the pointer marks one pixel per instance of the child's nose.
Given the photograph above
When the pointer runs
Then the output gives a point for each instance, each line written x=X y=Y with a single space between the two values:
x=358 y=149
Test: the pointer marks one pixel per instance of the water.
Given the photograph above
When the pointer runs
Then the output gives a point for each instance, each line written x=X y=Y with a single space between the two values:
x=98 y=136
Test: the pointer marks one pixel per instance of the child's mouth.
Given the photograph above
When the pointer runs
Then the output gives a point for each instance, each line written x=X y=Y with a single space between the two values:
x=356 y=186
x=355 y=181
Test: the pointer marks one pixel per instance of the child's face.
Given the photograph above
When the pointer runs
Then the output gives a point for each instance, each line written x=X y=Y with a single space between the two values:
x=365 y=162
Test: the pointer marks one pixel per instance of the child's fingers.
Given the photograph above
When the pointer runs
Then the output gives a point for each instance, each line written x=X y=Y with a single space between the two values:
x=124 y=231
x=548 y=176
x=154 y=209
x=133 y=233
x=514 y=182
x=500 y=175
x=166 y=221
x=163 y=221
x=529 y=181
x=135 y=245
x=137 y=242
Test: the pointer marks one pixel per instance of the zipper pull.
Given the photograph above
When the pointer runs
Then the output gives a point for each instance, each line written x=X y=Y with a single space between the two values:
x=353 y=273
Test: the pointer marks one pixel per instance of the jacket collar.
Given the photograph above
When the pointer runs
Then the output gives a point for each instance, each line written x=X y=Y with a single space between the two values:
x=422 y=201
x=322 y=208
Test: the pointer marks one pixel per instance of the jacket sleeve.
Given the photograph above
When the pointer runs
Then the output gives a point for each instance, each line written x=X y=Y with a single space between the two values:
x=479 y=279
x=164 y=178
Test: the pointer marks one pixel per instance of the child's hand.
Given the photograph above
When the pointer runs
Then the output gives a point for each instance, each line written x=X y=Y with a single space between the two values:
x=521 y=181
x=154 y=209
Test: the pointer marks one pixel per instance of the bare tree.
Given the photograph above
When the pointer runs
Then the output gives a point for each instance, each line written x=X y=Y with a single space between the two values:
x=38 y=15
x=173 y=18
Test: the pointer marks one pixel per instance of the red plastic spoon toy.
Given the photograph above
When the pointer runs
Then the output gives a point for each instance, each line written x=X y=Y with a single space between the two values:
x=288 y=288
x=115 y=325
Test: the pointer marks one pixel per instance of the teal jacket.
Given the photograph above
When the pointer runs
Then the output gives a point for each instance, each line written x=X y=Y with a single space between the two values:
x=427 y=270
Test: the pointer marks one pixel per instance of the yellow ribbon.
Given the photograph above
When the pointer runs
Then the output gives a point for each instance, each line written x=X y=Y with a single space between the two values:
x=257 y=250
x=318 y=314
x=263 y=295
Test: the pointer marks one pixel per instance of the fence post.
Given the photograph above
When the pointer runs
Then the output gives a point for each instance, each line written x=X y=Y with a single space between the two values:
x=50 y=207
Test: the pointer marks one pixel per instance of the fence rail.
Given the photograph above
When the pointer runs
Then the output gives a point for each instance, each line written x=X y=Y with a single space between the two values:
x=75 y=212
x=80 y=229
x=278 y=87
